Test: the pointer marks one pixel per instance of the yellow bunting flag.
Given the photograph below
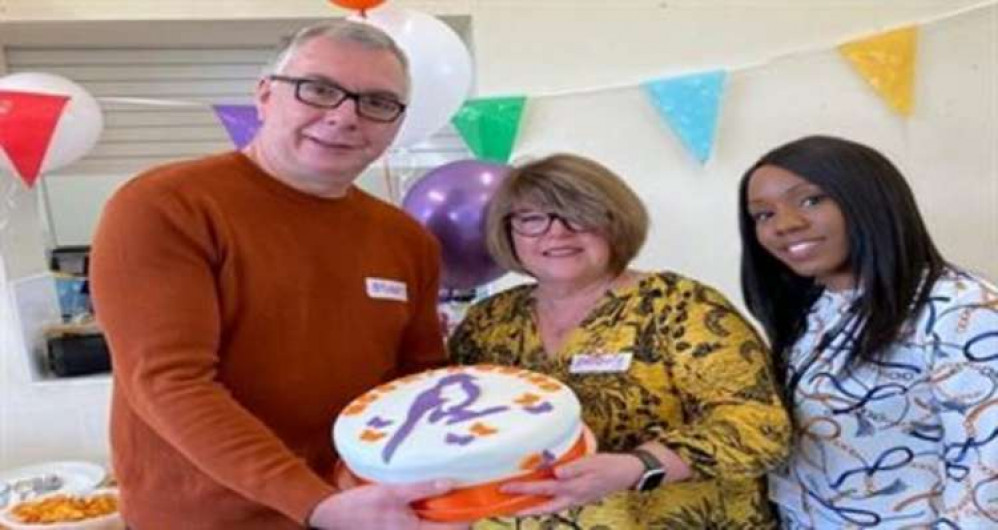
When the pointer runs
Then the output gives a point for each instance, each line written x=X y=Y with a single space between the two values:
x=887 y=62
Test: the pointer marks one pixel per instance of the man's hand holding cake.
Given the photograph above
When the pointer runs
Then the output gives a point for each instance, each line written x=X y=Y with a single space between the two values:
x=384 y=507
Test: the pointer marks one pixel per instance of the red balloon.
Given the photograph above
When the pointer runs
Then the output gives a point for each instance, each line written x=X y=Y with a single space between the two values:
x=357 y=4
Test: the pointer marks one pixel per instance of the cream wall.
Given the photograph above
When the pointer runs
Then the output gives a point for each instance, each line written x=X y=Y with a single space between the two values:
x=549 y=47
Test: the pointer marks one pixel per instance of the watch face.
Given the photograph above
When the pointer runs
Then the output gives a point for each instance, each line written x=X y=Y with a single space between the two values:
x=651 y=480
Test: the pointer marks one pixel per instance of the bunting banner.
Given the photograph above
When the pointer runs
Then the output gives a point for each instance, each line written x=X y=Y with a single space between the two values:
x=887 y=62
x=689 y=104
x=489 y=126
x=27 y=122
x=241 y=122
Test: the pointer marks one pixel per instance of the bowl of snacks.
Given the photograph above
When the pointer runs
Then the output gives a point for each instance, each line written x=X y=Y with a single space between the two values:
x=96 y=510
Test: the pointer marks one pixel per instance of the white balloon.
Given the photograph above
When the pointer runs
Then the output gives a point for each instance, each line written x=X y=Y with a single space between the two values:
x=440 y=68
x=78 y=128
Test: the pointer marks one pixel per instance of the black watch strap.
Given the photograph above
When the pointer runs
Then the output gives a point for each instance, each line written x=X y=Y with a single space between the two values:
x=654 y=472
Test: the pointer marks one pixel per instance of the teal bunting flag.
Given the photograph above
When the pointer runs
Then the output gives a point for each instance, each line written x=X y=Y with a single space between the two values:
x=689 y=105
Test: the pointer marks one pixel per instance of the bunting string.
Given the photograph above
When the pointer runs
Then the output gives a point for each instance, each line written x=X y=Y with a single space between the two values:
x=688 y=102
x=774 y=58
x=610 y=87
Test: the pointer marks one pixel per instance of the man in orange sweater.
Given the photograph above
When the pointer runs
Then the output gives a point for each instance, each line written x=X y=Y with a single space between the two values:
x=248 y=296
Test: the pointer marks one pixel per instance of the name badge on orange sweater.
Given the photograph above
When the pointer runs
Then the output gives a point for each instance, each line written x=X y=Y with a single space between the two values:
x=383 y=289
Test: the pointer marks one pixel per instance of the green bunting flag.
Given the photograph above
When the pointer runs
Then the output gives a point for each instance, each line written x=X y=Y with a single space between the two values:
x=489 y=126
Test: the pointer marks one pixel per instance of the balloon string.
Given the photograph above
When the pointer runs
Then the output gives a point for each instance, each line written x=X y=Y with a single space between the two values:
x=7 y=202
x=386 y=172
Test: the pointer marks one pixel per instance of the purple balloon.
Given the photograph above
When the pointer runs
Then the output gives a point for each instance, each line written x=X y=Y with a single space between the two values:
x=451 y=201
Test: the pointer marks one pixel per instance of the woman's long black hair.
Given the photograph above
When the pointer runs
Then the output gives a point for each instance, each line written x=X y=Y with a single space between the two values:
x=890 y=250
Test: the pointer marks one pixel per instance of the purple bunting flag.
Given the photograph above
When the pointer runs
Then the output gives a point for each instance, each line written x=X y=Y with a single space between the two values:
x=240 y=121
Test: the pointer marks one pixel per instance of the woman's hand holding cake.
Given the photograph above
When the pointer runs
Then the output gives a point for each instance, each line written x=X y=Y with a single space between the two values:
x=593 y=477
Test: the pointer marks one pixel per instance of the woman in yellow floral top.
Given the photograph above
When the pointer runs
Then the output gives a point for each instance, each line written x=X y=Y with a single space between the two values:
x=673 y=382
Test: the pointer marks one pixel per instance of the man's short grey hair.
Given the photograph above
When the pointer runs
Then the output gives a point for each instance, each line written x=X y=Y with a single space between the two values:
x=344 y=31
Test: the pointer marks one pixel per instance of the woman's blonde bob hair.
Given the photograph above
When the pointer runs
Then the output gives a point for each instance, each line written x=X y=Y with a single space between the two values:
x=577 y=188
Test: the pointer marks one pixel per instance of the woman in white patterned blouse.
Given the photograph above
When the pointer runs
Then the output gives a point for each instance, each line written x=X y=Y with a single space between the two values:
x=888 y=354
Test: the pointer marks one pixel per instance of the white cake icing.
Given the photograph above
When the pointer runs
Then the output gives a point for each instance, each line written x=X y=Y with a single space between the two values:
x=473 y=424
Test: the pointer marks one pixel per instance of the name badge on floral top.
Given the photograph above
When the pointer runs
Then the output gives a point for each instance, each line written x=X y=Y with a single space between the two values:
x=383 y=289
x=605 y=363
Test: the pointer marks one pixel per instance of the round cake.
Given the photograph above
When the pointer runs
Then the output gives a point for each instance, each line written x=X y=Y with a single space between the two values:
x=478 y=425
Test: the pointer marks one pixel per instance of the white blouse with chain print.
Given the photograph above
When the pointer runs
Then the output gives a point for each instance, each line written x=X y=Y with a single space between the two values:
x=910 y=441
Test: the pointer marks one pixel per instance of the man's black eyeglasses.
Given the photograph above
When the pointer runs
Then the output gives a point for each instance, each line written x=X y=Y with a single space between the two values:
x=326 y=95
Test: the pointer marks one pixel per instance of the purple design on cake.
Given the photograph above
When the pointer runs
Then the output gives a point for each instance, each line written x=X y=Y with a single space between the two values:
x=432 y=404
x=378 y=423
x=547 y=459
x=539 y=409
x=457 y=439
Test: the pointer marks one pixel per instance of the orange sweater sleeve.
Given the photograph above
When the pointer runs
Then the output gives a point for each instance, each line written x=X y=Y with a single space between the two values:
x=156 y=298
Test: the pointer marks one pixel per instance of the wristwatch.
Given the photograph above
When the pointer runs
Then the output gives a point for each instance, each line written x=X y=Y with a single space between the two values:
x=654 y=471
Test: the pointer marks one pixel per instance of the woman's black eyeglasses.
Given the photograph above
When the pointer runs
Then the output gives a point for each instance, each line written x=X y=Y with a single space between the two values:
x=326 y=95
x=535 y=224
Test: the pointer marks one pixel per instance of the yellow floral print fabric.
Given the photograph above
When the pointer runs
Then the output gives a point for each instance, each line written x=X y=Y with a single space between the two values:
x=699 y=382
